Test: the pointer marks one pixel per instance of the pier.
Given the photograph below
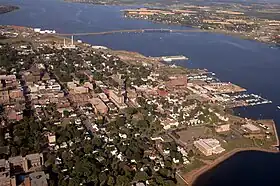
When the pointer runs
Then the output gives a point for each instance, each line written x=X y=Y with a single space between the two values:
x=172 y=58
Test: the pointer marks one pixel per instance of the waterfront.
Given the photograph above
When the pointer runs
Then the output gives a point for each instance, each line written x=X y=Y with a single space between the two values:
x=247 y=63
x=264 y=171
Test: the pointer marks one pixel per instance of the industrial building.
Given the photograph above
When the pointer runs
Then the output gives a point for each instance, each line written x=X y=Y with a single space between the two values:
x=251 y=128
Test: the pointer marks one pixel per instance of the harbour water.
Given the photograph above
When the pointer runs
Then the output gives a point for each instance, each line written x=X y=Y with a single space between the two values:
x=249 y=64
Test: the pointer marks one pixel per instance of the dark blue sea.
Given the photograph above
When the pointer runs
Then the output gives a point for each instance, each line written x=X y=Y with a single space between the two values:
x=250 y=64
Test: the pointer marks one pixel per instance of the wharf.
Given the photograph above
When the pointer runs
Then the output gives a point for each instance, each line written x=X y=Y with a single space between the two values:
x=172 y=58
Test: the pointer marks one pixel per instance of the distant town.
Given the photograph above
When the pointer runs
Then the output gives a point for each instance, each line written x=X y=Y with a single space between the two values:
x=260 y=23
x=77 y=114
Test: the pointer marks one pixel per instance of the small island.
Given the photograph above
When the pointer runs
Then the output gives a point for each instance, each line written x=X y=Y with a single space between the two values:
x=7 y=8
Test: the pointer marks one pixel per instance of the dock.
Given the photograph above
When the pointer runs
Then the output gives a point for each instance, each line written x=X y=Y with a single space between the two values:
x=169 y=59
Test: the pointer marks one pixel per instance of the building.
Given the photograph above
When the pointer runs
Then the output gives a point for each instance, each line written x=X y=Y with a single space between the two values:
x=13 y=115
x=4 y=97
x=251 y=128
x=8 y=81
x=4 y=173
x=14 y=94
x=103 y=97
x=45 y=77
x=209 y=146
x=222 y=128
x=117 y=98
x=33 y=162
x=71 y=85
x=36 y=179
x=29 y=163
x=51 y=138
x=177 y=82
x=167 y=124
x=98 y=106
x=80 y=90
x=88 y=85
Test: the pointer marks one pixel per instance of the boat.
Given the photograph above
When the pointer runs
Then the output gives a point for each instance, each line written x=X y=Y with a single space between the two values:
x=278 y=107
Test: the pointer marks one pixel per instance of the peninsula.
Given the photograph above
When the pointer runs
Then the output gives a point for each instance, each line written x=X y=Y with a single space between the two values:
x=7 y=8
x=73 y=113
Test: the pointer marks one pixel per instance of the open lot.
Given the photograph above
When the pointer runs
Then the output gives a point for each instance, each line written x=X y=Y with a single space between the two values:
x=187 y=136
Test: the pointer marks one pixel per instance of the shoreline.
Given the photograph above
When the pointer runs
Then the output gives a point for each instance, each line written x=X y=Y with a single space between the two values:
x=215 y=31
x=193 y=175
x=7 y=8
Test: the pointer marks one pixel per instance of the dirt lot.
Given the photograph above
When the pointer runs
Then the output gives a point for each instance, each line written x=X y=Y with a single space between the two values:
x=187 y=136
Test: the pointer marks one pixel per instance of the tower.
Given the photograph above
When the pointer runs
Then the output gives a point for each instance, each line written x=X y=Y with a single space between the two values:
x=72 y=40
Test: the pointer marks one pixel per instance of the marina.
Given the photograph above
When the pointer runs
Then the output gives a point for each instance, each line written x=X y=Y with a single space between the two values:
x=230 y=94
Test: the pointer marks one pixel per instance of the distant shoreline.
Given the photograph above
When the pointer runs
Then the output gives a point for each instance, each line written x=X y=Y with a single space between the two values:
x=7 y=8
x=193 y=175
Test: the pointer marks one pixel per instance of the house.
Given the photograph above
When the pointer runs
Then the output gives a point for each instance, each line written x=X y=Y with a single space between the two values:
x=13 y=115
x=168 y=123
x=4 y=97
x=14 y=94
x=51 y=138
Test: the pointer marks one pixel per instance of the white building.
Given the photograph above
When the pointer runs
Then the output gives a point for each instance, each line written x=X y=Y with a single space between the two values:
x=223 y=128
x=209 y=146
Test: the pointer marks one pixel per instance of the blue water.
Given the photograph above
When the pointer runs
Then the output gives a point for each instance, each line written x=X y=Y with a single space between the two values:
x=250 y=64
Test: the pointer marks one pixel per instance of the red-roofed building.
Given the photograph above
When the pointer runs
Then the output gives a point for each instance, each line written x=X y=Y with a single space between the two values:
x=162 y=93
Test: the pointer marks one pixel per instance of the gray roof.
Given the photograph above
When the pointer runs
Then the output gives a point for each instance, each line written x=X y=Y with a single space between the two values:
x=16 y=159
x=33 y=156
x=2 y=163
x=38 y=179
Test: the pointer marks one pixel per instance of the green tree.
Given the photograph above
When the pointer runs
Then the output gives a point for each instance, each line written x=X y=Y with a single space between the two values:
x=141 y=176
x=66 y=113
x=111 y=181
x=122 y=181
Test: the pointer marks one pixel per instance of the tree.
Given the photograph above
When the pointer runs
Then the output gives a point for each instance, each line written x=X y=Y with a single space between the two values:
x=66 y=113
x=191 y=153
x=159 y=180
x=111 y=181
x=141 y=176
x=102 y=178
x=122 y=181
